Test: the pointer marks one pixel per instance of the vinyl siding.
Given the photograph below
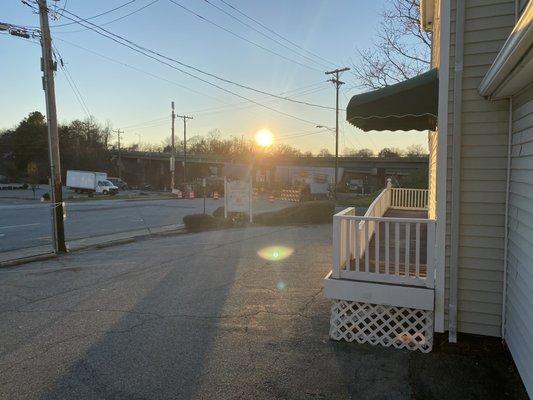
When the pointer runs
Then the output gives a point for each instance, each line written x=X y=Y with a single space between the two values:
x=484 y=131
x=519 y=304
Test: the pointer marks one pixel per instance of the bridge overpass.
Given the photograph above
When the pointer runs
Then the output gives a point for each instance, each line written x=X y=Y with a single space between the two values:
x=140 y=168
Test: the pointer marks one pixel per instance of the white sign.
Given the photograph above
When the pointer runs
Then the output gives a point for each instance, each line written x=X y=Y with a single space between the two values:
x=238 y=197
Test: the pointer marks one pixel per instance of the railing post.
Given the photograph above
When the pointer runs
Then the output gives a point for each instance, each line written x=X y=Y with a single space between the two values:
x=335 y=272
x=430 y=278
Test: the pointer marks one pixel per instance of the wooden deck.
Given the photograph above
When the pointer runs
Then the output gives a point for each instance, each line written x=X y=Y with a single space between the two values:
x=397 y=267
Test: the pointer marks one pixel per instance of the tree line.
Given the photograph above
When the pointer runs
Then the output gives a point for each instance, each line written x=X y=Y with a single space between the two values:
x=89 y=145
x=24 y=149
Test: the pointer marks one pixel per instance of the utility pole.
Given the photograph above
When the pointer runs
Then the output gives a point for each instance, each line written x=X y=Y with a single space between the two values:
x=173 y=152
x=118 y=131
x=53 y=137
x=338 y=84
x=185 y=118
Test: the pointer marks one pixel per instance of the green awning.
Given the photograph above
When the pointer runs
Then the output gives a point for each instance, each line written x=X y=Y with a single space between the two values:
x=405 y=106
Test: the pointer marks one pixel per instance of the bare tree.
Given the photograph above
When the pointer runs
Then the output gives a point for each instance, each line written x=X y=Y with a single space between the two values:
x=400 y=51
x=324 y=153
x=415 y=150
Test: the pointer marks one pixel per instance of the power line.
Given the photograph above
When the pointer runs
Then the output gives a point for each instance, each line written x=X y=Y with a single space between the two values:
x=71 y=81
x=140 y=70
x=240 y=36
x=275 y=33
x=265 y=35
x=177 y=84
x=144 y=51
x=188 y=65
x=97 y=15
x=116 y=19
x=72 y=23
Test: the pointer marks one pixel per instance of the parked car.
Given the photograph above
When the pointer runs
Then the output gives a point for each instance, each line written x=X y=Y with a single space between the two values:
x=118 y=183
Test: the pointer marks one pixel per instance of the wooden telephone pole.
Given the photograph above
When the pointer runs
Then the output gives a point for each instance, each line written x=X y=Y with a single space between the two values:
x=119 y=154
x=53 y=137
x=185 y=118
x=173 y=152
x=338 y=84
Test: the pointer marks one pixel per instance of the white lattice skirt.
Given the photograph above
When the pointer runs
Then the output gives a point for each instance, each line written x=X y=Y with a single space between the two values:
x=399 y=327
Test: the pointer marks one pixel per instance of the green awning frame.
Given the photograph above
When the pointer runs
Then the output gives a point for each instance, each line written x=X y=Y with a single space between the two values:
x=405 y=106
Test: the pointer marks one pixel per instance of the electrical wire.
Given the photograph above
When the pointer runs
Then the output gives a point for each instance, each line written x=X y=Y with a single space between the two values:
x=70 y=81
x=242 y=37
x=117 y=38
x=139 y=49
x=326 y=66
x=116 y=19
x=275 y=33
x=139 y=69
x=210 y=110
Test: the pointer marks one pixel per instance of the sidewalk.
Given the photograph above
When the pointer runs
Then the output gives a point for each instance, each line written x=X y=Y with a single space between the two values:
x=20 y=256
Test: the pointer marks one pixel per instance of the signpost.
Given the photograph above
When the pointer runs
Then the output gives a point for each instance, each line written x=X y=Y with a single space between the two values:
x=237 y=197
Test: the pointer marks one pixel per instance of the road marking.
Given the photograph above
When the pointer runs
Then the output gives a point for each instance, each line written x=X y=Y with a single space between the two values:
x=2 y=234
x=18 y=226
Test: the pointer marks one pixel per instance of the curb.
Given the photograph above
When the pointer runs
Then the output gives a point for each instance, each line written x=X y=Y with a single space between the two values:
x=101 y=242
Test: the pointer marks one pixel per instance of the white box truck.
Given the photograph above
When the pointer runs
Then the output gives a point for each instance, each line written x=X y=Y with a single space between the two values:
x=90 y=182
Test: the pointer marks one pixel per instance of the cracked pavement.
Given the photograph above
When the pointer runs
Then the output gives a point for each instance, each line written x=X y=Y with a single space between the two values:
x=202 y=316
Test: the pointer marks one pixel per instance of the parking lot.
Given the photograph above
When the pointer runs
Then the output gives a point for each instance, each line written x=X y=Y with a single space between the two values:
x=232 y=314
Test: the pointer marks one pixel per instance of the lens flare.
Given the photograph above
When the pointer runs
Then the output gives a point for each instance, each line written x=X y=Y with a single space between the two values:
x=275 y=253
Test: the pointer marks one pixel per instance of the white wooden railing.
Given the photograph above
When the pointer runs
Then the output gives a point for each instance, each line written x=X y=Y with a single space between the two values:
x=385 y=249
x=408 y=199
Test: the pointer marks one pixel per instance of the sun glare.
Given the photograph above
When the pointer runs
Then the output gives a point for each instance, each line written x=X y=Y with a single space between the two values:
x=264 y=138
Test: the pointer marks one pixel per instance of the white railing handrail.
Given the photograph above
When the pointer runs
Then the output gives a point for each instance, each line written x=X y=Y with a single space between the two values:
x=352 y=236
x=409 y=198
x=384 y=219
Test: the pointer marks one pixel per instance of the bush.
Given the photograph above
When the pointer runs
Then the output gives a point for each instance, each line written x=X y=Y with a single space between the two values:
x=200 y=222
x=313 y=212
x=219 y=212
x=46 y=196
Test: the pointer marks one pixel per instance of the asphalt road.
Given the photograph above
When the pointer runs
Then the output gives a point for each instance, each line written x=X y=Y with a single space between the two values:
x=216 y=315
x=26 y=224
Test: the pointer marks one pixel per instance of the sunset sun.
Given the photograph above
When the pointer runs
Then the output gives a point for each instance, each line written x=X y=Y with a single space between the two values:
x=264 y=137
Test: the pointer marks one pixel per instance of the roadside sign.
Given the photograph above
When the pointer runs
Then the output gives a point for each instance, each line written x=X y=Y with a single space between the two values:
x=172 y=163
x=237 y=197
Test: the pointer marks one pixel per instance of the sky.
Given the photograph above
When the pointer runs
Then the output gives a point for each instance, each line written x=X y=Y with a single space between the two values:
x=133 y=93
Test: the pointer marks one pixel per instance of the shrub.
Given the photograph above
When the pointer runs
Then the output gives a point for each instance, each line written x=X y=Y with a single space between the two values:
x=200 y=222
x=313 y=212
x=219 y=212
x=46 y=196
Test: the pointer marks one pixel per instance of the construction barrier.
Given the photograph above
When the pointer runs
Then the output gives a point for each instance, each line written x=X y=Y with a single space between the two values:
x=271 y=199
x=291 y=195
x=191 y=195
x=215 y=195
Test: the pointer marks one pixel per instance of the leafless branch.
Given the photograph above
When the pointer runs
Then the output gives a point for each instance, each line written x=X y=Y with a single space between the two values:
x=401 y=49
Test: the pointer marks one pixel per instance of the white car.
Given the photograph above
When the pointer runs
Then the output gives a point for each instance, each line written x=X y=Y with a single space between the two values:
x=106 y=187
